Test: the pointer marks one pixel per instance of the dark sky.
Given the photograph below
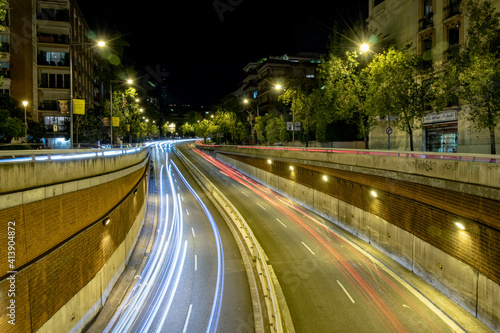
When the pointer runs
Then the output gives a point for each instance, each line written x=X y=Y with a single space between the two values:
x=205 y=49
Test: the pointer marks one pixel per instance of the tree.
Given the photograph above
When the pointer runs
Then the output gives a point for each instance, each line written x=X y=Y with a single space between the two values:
x=11 y=119
x=276 y=129
x=396 y=89
x=479 y=64
x=345 y=86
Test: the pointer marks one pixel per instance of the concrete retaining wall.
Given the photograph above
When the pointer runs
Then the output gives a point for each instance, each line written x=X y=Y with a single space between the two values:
x=477 y=294
x=467 y=176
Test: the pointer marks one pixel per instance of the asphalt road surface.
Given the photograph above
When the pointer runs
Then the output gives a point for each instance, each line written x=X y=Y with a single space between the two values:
x=331 y=281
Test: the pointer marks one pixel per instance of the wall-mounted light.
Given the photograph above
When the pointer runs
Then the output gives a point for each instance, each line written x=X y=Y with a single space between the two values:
x=291 y=167
x=373 y=194
x=460 y=225
x=269 y=162
x=325 y=178
x=106 y=221
x=135 y=191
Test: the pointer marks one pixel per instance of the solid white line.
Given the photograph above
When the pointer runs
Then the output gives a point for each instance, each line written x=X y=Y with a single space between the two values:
x=261 y=206
x=192 y=229
x=340 y=284
x=307 y=247
x=184 y=330
x=281 y=223
x=195 y=262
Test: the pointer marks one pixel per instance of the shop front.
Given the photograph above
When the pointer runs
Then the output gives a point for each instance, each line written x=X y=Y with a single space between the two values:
x=441 y=131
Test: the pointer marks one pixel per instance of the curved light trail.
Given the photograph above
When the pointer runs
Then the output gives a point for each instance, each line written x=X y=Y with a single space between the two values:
x=146 y=307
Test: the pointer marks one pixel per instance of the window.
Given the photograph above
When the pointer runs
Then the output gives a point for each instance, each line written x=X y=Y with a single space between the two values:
x=59 y=81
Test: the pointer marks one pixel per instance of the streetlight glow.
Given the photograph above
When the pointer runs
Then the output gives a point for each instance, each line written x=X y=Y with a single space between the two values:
x=101 y=43
x=364 y=47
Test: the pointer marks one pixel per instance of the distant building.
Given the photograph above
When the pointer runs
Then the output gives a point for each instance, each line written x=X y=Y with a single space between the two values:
x=41 y=38
x=259 y=84
x=434 y=29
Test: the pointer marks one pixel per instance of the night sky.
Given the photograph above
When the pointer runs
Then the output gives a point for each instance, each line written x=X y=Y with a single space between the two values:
x=204 y=49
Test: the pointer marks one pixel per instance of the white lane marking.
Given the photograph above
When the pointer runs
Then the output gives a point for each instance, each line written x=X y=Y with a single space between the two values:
x=233 y=185
x=184 y=330
x=244 y=193
x=195 y=262
x=261 y=206
x=182 y=198
x=192 y=229
x=307 y=247
x=187 y=212
x=448 y=320
x=281 y=223
x=341 y=286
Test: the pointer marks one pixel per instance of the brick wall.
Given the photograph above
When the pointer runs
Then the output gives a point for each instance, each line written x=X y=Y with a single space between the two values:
x=61 y=245
x=426 y=212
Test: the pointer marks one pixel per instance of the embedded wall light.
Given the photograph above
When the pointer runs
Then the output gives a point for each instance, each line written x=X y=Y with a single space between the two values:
x=460 y=225
x=106 y=221
x=269 y=162
x=325 y=178
x=373 y=193
x=291 y=167
x=135 y=191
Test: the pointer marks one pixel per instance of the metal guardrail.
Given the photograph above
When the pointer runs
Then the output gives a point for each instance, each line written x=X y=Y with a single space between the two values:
x=485 y=158
x=265 y=278
x=50 y=155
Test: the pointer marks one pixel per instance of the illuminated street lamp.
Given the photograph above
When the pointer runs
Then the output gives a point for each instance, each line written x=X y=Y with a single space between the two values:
x=99 y=44
x=25 y=103
x=364 y=47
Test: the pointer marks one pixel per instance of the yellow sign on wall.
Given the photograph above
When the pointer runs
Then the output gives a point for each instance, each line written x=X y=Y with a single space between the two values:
x=78 y=106
x=116 y=121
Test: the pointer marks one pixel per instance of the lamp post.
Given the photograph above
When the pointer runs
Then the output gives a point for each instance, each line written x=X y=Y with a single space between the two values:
x=71 y=45
x=129 y=81
x=25 y=103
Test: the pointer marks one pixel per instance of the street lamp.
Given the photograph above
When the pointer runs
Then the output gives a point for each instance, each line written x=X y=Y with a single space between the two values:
x=129 y=81
x=364 y=47
x=25 y=103
x=71 y=44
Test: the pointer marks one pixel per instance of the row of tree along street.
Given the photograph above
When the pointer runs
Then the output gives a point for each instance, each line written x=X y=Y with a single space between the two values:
x=356 y=87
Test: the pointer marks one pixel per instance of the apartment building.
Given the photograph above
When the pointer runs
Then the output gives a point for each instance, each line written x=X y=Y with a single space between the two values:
x=435 y=29
x=261 y=78
x=48 y=57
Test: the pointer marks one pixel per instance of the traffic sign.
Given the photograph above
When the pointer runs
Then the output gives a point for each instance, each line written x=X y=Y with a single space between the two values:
x=388 y=130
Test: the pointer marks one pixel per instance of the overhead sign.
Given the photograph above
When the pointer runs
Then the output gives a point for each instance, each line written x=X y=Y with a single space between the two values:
x=78 y=106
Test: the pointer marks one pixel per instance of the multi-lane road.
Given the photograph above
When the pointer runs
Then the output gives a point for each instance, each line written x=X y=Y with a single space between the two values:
x=195 y=281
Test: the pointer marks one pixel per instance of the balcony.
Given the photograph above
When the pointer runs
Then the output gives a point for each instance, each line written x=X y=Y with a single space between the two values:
x=48 y=14
x=451 y=10
x=425 y=22
x=53 y=39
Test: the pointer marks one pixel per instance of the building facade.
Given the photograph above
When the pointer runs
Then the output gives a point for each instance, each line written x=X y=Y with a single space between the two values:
x=48 y=55
x=262 y=77
x=435 y=29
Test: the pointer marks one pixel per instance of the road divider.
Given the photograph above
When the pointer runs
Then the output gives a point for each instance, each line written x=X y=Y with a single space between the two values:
x=273 y=314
